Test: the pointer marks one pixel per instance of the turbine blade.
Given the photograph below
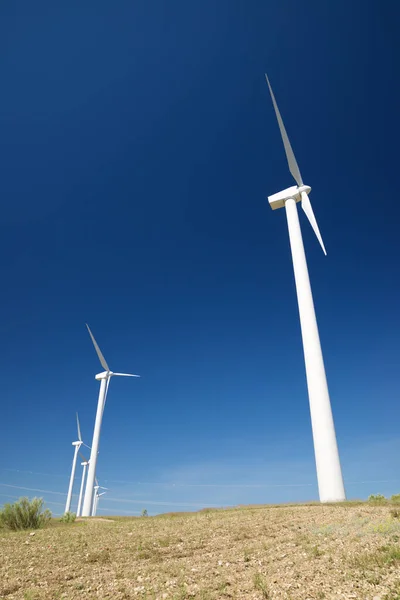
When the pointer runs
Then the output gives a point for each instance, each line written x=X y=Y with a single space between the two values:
x=83 y=457
x=79 y=428
x=105 y=395
x=306 y=206
x=293 y=166
x=125 y=375
x=98 y=351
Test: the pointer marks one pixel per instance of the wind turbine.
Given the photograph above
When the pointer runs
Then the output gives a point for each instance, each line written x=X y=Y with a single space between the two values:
x=96 y=497
x=329 y=473
x=104 y=379
x=84 y=464
x=77 y=446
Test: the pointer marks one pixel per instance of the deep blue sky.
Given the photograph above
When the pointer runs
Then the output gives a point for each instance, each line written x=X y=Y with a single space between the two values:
x=138 y=146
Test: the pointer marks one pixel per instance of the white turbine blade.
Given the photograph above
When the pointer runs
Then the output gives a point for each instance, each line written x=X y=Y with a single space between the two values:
x=98 y=351
x=306 y=206
x=107 y=386
x=79 y=433
x=293 y=166
x=79 y=428
x=105 y=395
x=125 y=375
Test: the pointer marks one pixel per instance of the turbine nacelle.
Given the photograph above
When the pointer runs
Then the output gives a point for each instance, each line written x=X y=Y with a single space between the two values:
x=78 y=443
x=108 y=374
x=104 y=375
x=278 y=200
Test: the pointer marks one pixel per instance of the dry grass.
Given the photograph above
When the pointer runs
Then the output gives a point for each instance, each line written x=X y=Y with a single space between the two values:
x=289 y=552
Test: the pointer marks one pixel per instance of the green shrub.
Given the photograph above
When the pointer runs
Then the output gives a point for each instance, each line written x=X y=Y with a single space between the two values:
x=377 y=499
x=24 y=514
x=68 y=517
x=145 y=513
x=395 y=498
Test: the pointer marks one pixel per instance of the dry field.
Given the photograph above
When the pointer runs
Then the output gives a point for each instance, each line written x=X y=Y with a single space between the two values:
x=289 y=552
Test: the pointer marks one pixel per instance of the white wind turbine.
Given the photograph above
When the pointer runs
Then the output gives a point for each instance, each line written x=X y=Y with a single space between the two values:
x=329 y=473
x=104 y=379
x=84 y=464
x=96 y=497
x=77 y=446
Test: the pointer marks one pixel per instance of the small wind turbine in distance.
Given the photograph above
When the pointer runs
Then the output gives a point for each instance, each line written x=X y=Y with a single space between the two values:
x=77 y=446
x=329 y=473
x=96 y=497
x=104 y=379
x=84 y=464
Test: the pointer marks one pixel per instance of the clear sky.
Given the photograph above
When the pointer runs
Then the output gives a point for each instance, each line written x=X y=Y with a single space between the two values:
x=138 y=145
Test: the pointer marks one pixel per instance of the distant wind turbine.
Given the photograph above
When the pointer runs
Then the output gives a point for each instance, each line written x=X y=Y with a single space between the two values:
x=104 y=379
x=329 y=473
x=77 y=446
x=96 y=496
x=84 y=464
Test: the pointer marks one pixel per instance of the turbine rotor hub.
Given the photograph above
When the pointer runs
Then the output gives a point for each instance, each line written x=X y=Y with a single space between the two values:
x=278 y=200
x=104 y=375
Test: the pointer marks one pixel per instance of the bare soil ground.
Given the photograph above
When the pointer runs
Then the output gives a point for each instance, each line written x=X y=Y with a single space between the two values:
x=289 y=552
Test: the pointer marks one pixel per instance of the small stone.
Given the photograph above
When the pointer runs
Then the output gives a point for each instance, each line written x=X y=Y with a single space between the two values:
x=33 y=533
x=130 y=533
x=227 y=564
x=220 y=563
x=140 y=579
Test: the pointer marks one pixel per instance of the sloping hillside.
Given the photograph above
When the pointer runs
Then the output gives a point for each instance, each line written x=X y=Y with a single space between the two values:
x=296 y=552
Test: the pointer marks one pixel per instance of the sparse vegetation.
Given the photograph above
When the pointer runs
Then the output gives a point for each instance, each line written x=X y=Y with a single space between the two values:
x=164 y=542
x=377 y=499
x=68 y=517
x=24 y=514
x=144 y=513
x=381 y=556
x=265 y=553
x=394 y=594
x=316 y=552
x=261 y=585
x=395 y=499
x=99 y=556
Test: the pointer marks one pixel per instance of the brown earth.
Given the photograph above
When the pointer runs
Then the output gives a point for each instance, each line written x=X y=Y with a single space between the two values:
x=289 y=552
